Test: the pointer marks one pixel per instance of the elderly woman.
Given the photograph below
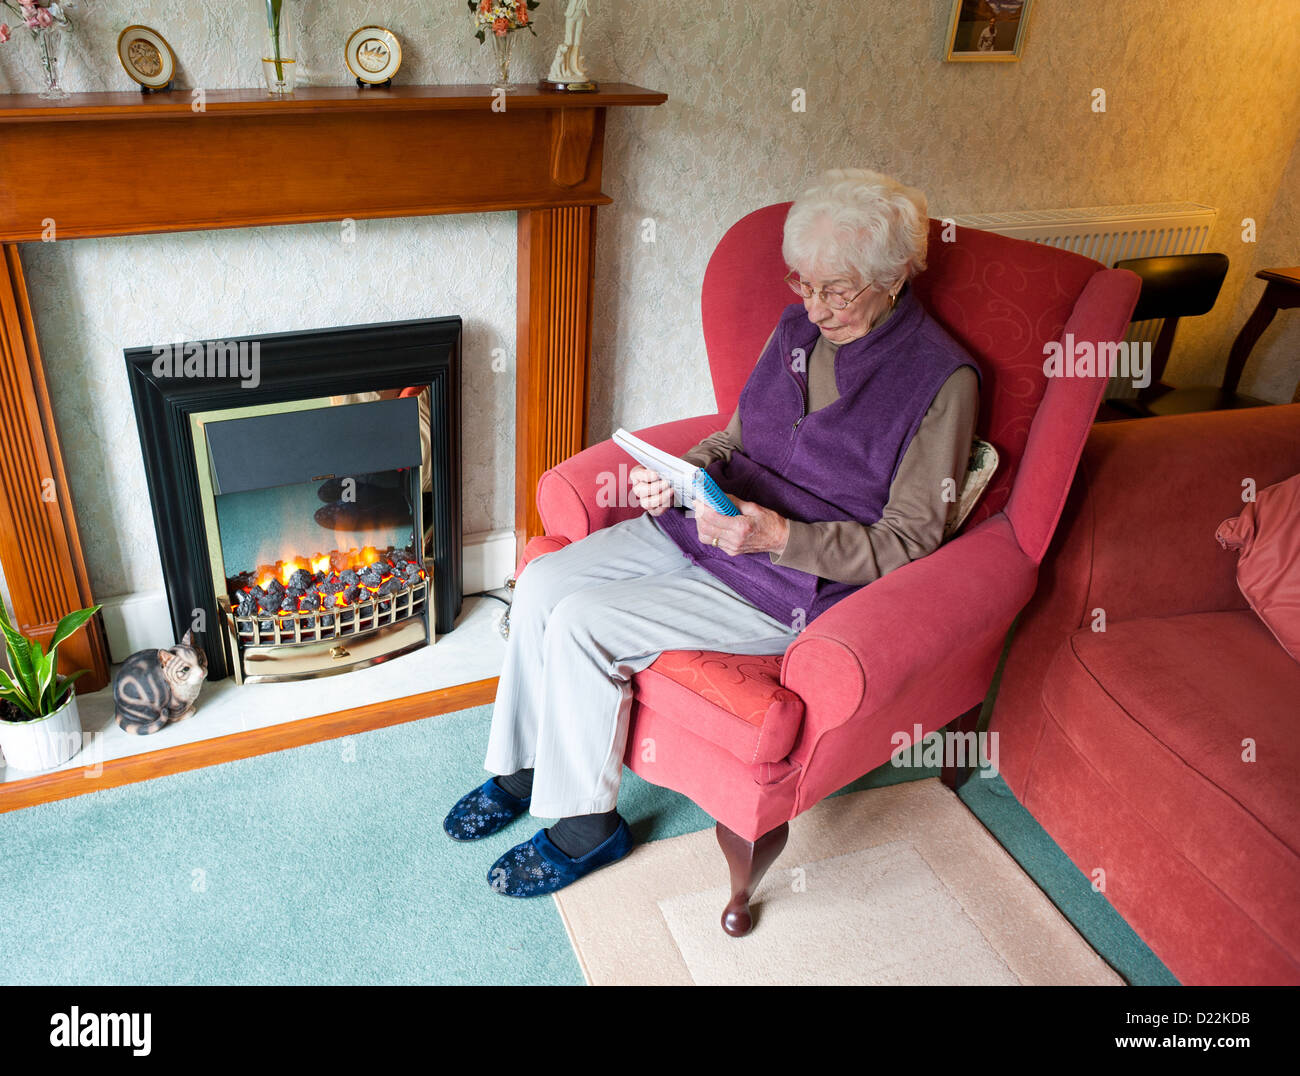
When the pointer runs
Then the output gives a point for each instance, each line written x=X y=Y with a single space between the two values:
x=858 y=413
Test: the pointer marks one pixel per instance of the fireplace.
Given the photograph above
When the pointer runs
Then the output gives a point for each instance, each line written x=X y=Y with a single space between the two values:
x=305 y=488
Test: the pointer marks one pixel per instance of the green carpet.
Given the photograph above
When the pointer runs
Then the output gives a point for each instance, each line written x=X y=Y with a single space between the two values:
x=327 y=864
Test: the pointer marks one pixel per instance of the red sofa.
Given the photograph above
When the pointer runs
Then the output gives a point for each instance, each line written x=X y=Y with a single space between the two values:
x=1126 y=743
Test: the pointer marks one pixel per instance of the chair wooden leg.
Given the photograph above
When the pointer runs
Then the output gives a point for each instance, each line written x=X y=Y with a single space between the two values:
x=748 y=862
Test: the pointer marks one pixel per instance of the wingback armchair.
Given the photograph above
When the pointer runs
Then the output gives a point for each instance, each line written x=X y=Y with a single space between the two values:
x=755 y=741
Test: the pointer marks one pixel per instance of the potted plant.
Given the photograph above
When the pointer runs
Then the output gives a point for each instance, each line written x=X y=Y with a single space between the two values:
x=39 y=724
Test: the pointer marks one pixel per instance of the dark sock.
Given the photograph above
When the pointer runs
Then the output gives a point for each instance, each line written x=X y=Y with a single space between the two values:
x=578 y=835
x=518 y=784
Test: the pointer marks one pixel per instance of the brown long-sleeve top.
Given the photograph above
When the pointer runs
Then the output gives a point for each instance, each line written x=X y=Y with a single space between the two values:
x=913 y=520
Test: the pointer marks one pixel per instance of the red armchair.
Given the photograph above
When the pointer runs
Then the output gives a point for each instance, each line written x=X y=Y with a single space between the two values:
x=754 y=741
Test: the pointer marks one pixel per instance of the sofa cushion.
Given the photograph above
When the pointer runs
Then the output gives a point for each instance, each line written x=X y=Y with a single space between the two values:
x=1268 y=571
x=733 y=700
x=1168 y=710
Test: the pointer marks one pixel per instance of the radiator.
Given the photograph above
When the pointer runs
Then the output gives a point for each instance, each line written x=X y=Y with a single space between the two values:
x=1109 y=234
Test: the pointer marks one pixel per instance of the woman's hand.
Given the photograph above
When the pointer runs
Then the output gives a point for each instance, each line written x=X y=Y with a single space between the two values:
x=755 y=530
x=653 y=493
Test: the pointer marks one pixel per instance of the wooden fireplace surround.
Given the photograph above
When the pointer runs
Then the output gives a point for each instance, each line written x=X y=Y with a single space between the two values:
x=132 y=163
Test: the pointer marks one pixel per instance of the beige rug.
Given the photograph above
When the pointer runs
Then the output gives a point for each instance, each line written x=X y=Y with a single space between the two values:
x=892 y=886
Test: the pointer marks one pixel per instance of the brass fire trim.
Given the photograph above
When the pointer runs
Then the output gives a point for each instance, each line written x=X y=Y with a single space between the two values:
x=272 y=664
x=237 y=649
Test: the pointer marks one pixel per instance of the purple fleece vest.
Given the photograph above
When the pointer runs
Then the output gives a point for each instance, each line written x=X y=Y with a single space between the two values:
x=835 y=463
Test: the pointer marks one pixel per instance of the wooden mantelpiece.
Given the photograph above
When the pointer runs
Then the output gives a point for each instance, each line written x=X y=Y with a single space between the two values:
x=134 y=163
x=449 y=97
x=131 y=163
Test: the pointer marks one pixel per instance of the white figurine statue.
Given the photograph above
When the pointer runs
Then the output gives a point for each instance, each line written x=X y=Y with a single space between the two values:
x=568 y=63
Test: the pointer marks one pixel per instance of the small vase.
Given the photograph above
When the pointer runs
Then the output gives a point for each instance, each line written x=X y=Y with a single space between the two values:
x=279 y=55
x=49 y=41
x=501 y=49
x=44 y=743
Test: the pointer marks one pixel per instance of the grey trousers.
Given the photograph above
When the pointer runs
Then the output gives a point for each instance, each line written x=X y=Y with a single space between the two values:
x=583 y=620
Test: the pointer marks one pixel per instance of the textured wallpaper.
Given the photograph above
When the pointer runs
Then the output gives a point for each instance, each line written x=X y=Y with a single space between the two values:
x=1273 y=369
x=1187 y=118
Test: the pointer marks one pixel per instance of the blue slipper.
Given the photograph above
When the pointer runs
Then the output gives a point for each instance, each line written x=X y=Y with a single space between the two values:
x=483 y=812
x=538 y=867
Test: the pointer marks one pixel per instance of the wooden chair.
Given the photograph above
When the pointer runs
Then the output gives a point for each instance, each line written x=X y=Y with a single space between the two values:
x=1177 y=286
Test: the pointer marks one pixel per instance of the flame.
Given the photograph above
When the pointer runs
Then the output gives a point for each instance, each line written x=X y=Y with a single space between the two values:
x=325 y=568
x=317 y=564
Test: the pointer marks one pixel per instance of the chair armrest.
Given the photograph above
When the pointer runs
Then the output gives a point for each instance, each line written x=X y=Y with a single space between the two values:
x=1064 y=417
x=921 y=642
x=589 y=491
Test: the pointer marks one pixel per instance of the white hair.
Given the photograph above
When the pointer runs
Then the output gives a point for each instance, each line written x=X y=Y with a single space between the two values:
x=853 y=222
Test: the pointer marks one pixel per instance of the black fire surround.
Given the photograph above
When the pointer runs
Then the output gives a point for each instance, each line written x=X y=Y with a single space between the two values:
x=295 y=366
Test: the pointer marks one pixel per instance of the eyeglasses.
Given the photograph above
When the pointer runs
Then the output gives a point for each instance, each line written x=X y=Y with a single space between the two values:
x=836 y=300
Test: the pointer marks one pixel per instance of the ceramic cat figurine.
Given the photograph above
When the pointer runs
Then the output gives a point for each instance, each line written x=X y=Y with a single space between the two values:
x=156 y=688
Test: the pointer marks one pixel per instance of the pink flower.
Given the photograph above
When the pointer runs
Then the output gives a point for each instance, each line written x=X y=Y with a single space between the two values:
x=36 y=18
x=501 y=27
x=4 y=33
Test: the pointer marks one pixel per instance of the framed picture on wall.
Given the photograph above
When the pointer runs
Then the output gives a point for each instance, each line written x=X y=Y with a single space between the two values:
x=987 y=29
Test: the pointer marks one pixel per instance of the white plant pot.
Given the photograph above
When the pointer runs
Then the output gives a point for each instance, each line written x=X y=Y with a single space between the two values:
x=44 y=743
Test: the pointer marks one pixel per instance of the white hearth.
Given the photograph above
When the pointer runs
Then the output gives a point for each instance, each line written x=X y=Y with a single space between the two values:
x=473 y=650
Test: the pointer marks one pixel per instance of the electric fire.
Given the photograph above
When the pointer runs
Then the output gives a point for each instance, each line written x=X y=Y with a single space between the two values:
x=309 y=525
